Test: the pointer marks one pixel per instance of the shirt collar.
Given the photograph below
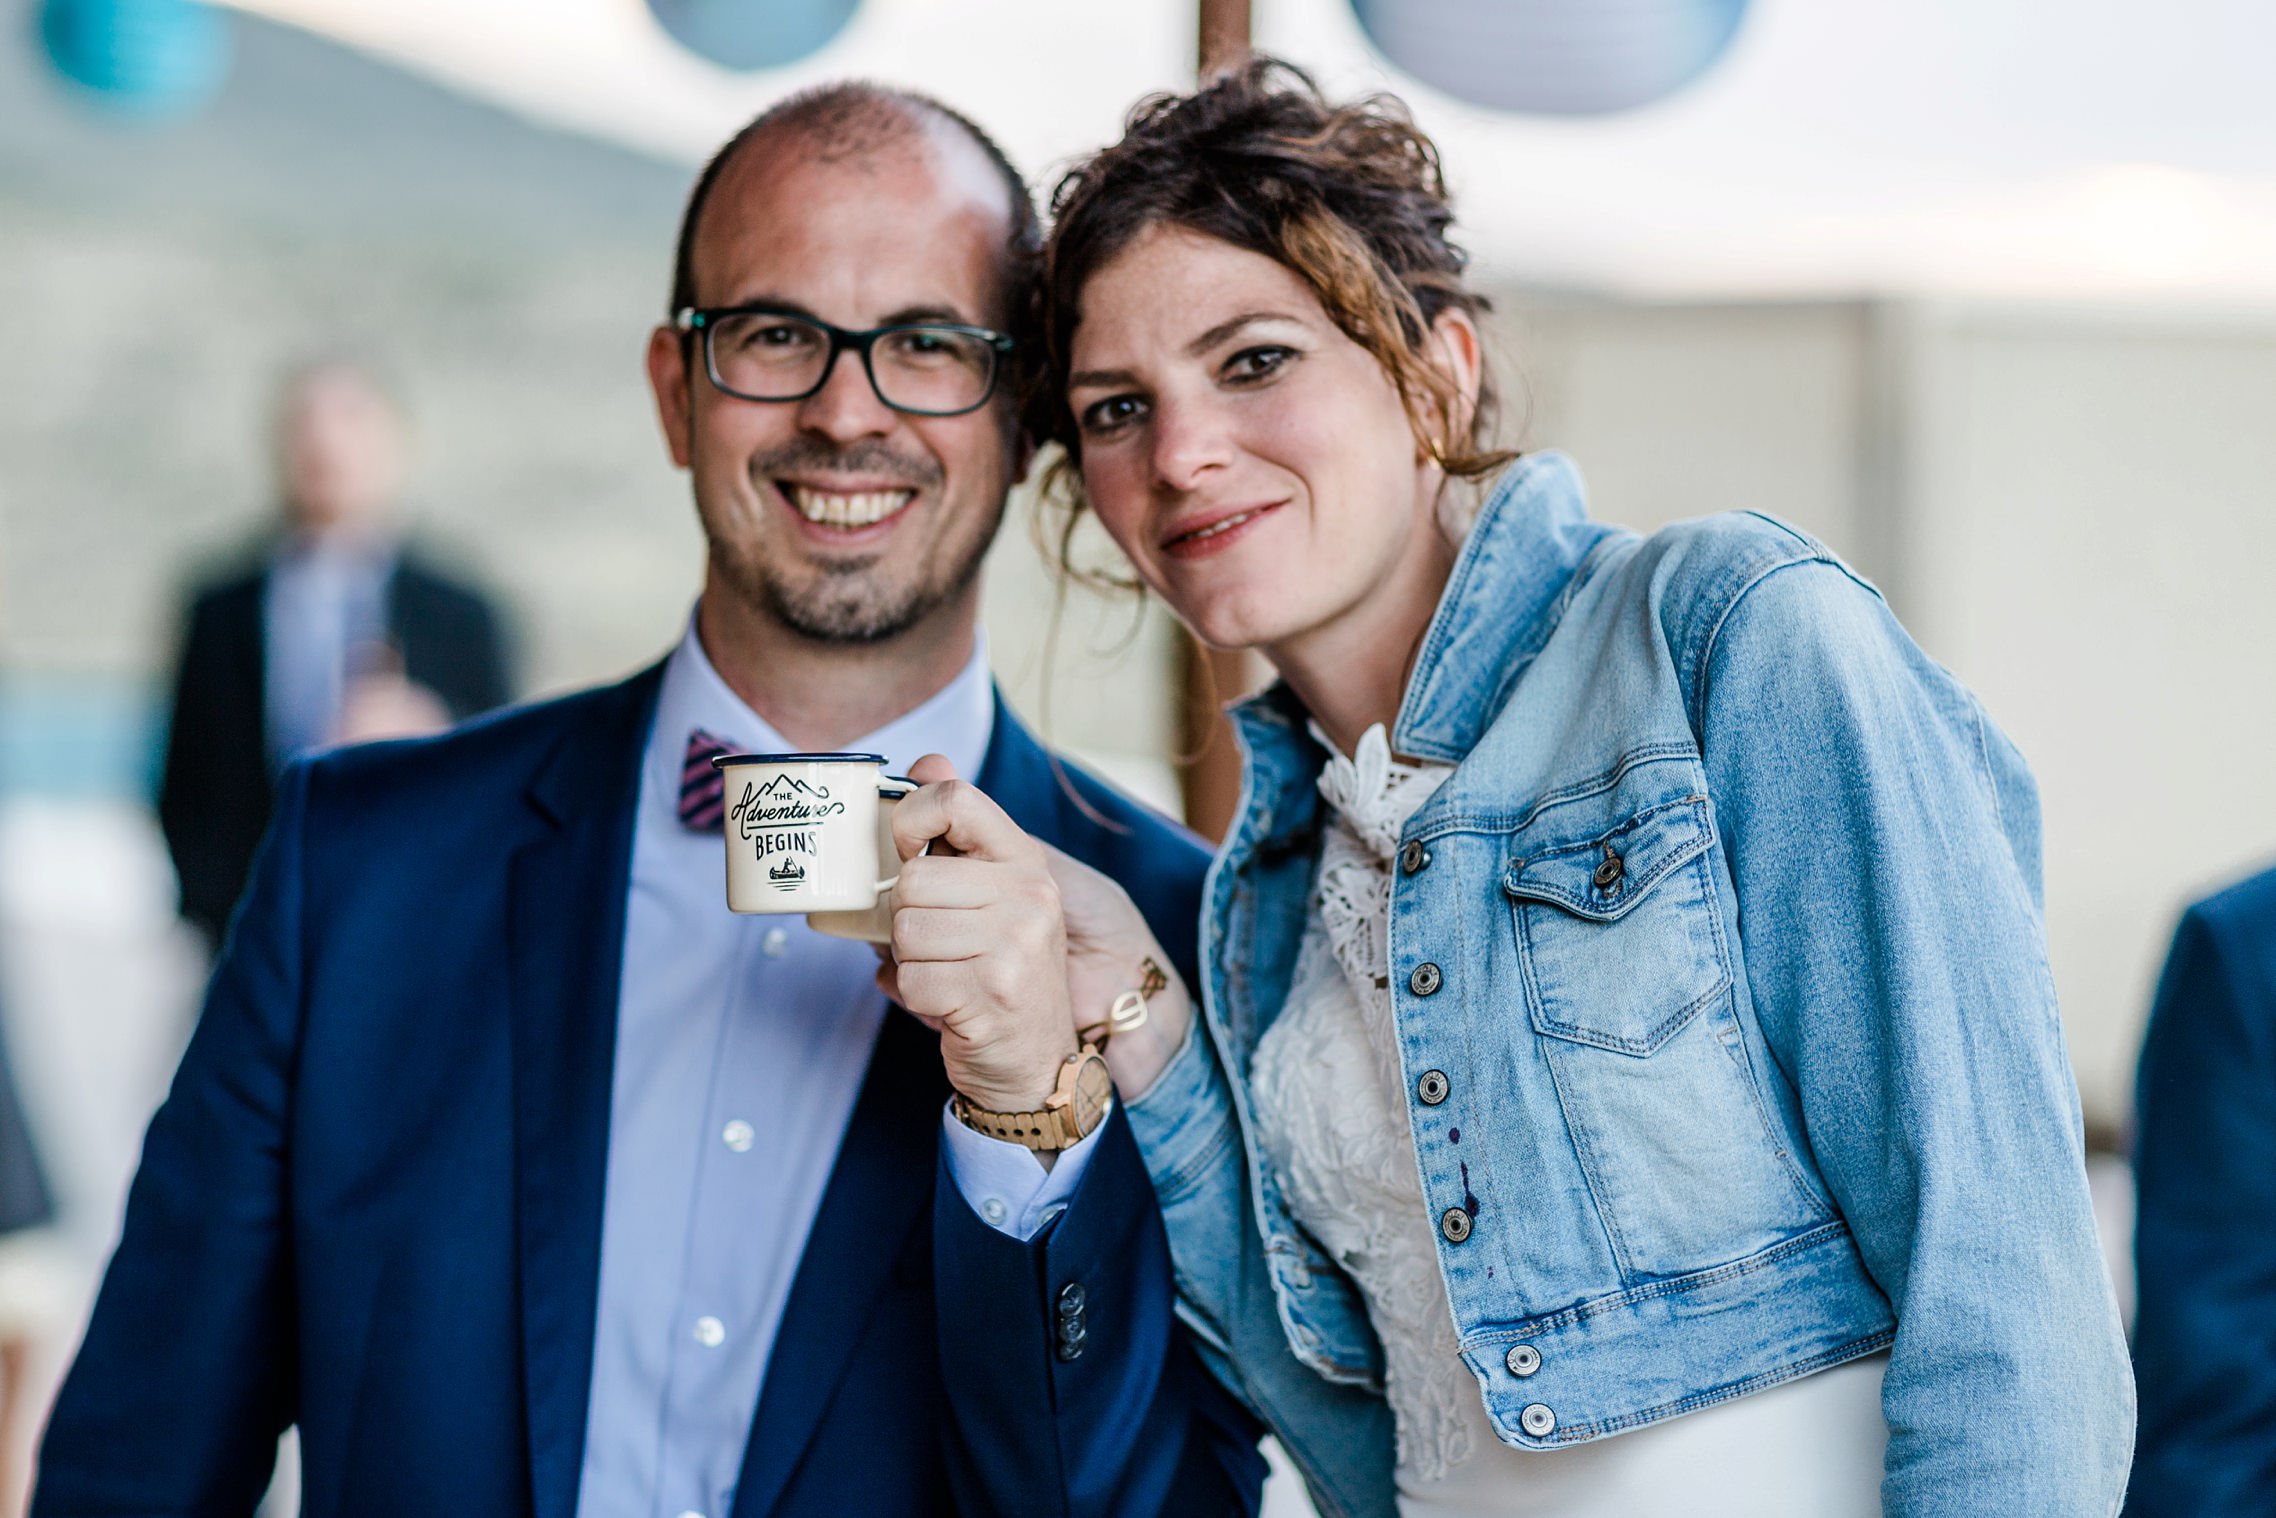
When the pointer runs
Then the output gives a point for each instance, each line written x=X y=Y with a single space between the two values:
x=956 y=721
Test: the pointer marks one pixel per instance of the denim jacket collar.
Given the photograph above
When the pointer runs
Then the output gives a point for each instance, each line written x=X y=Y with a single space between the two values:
x=1500 y=604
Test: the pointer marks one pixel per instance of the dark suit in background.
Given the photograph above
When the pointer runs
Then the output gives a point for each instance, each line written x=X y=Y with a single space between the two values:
x=2205 y=1235
x=219 y=783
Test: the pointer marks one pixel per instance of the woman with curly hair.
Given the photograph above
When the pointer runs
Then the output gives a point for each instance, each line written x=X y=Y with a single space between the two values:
x=1628 y=1050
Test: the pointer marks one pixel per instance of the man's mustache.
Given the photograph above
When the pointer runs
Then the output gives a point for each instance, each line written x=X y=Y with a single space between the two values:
x=870 y=457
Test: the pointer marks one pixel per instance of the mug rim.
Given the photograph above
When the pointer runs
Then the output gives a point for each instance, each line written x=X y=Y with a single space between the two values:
x=725 y=761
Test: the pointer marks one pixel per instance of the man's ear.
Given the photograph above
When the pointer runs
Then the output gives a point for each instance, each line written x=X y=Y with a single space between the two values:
x=668 y=378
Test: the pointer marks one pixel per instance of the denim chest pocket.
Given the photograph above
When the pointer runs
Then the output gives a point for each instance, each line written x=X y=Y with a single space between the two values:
x=1619 y=931
x=1628 y=984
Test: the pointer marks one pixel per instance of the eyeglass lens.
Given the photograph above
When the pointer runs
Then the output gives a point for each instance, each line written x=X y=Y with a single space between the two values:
x=766 y=357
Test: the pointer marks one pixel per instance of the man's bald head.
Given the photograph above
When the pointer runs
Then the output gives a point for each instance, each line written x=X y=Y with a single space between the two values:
x=848 y=123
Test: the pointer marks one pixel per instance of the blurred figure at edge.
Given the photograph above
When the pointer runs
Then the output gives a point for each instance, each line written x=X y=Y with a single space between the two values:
x=335 y=632
x=2205 y=1231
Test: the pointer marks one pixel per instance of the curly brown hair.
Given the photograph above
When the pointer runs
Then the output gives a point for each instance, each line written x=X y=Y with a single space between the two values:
x=1350 y=197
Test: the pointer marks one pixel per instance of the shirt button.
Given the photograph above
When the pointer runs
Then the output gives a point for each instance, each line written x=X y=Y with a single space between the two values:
x=737 y=1136
x=774 y=943
x=1455 y=1224
x=710 y=1332
x=994 y=1211
x=1537 y=1420
x=691 y=1513
x=1425 y=980
x=1523 y=1360
x=1413 y=857
x=1432 y=1087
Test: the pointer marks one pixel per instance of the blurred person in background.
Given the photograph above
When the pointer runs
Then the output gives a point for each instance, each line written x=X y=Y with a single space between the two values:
x=523 y=1176
x=35 y=1282
x=1625 y=977
x=2205 y=1224
x=337 y=632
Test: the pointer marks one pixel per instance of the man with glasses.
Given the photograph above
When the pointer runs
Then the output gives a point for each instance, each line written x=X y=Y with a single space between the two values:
x=522 y=1176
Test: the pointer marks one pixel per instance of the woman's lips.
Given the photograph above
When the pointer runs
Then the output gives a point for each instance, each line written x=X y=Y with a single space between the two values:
x=1219 y=534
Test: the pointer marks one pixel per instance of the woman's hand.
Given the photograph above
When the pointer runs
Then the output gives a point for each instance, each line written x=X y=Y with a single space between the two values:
x=1108 y=945
x=979 y=951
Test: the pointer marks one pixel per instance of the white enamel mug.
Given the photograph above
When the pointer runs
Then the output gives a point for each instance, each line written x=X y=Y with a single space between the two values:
x=812 y=833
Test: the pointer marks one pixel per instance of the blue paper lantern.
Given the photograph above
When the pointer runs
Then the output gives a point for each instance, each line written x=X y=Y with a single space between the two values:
x=1553 y=57
x=754 y=34
x=151 y=58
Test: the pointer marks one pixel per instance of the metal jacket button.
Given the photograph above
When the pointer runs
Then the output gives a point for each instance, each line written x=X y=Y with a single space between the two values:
x=1425 y=979
x=1432 y=1087
x=1537 y=1420
x=1455 y=1224
x=1413 y=857
x=1609 y=872
x=1522 y=1360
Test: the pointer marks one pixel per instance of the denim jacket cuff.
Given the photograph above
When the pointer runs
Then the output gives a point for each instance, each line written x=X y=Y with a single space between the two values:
x=1184 y=1120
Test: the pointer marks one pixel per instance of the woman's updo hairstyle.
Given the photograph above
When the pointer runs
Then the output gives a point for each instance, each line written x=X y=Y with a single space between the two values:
x=1350 y=197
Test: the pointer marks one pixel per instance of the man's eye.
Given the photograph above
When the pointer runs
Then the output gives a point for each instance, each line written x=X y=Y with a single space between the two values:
x=782 y=335
x=1257 y=363
x=1113 y=412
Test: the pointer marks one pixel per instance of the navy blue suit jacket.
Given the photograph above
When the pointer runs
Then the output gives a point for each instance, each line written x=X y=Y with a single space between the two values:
x=371 y=1204
x=2205 y=1232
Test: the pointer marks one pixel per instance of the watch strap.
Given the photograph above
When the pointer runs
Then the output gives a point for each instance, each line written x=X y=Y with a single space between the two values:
x=1077 y=1106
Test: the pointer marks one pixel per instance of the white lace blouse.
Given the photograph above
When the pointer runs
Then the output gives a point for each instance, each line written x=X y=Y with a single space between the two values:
x=1331 y=1118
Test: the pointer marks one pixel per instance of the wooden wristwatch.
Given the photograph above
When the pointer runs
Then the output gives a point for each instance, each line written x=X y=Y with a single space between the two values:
x=1077 y=1106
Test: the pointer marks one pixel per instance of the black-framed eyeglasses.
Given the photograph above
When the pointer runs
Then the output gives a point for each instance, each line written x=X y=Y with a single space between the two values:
x=761 y=353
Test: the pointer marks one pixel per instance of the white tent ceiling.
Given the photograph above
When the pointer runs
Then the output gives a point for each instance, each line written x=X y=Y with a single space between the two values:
x=2072 y=149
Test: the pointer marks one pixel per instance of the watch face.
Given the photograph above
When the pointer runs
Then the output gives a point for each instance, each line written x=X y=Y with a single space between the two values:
x=1094 y=1087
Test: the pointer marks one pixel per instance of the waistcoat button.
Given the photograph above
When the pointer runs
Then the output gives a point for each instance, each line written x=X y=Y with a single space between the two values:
x=1425 y=979
x=1609 y=872
x=1413 y=857
x=1523 y=1359
x=1537 y=1420
x=1455 y=1224
x=1432 y=1087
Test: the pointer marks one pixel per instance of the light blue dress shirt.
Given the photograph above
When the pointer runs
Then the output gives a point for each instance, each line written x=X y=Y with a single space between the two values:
x=322 y=601
x=742 y=1043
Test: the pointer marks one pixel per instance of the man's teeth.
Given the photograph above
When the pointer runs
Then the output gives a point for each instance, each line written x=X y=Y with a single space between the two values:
x=836 y=509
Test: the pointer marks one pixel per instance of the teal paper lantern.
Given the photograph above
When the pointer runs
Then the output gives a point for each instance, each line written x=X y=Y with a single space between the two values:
x=149 y=58
x=754 y=34
x=1553 y=57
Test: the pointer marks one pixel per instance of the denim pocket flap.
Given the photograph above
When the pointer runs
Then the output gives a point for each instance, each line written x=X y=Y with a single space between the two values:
x=1603 y=876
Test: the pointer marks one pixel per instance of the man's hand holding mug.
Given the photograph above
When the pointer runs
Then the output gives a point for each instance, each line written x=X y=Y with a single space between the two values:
x=1008 y=947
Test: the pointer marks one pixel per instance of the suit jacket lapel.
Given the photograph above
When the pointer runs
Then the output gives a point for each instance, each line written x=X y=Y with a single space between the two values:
x=566 y=903
x=880 y=1188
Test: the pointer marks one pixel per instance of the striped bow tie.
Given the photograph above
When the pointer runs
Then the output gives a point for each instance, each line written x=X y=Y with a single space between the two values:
x=703 y=789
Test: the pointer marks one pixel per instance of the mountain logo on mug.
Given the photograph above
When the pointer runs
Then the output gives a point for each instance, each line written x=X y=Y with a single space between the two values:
x=782 y=799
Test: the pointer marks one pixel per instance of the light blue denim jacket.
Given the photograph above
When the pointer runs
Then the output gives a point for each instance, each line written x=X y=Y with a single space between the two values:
x=1727 y=1032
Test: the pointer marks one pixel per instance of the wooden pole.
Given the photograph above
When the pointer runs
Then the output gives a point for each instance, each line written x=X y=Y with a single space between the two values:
x=1225 y=36
x=1211 y=778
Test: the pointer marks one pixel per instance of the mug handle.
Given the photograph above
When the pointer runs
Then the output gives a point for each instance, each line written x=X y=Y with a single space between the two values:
x=891 y=788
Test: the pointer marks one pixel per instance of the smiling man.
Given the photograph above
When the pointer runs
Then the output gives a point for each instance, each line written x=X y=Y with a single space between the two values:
x=524 y=1178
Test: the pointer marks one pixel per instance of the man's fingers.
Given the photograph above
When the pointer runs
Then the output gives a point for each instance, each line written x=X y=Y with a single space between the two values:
x=961 y=815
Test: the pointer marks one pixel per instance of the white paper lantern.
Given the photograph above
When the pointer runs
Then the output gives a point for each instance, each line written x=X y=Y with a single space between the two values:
x=1553 y=57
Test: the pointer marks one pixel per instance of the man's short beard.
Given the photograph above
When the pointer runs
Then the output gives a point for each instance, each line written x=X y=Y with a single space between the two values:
x=843 y=606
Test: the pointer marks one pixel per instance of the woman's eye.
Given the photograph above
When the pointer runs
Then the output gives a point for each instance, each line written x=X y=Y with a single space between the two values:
x=1113 y=412
x=1257 y=363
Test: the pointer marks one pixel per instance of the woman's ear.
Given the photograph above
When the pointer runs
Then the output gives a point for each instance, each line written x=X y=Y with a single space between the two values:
x=1458 y=353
